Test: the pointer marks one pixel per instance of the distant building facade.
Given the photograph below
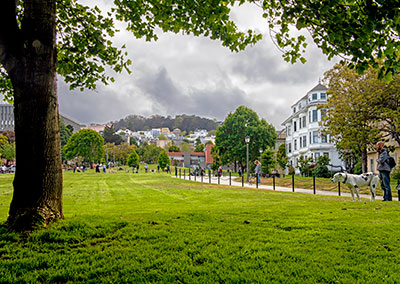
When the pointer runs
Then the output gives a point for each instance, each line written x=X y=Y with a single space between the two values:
x=6 y=117
x=68 y=121
x=302 y=130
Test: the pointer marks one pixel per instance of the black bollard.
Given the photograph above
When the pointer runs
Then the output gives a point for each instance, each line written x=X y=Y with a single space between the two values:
x=273 y=182
x=209 y=176
x=293 y=182
x=242 y=180
x=184 y=174
x=230 y=178
x=339 y=188
x=313 y=184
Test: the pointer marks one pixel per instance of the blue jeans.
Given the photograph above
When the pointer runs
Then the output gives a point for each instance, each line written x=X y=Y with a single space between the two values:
x=258 y=178
x=385 y=185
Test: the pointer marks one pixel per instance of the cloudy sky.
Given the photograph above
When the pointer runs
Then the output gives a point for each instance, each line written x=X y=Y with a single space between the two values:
x=188 y=75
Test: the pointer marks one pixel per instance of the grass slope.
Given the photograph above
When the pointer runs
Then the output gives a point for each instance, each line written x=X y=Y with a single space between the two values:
x=125 y=228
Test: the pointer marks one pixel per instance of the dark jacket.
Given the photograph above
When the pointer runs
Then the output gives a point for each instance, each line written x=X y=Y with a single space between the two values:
x=383 y=161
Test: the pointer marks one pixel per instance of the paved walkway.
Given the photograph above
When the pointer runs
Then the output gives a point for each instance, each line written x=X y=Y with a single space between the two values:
x=225 y=181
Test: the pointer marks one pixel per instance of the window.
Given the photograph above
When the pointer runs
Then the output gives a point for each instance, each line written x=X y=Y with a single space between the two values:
x=295 y=144
x=300 y=119
x=315 y=137
x=372 y=165
x=301 y=142
x=304 y=121
x=314 y=97
x=289 y=130
x=294 y=110
x=294 y=126
x=326 y=154
x=317 y=155
x=315 y=115
x=309 y=116
x=310 y=139
x=323 y=96
x=304 y=141
x=324 y=139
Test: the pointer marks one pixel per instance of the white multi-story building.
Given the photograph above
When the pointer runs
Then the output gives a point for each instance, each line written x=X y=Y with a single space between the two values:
x=303 y=135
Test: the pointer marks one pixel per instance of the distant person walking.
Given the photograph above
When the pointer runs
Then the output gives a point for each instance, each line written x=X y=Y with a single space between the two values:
x=258 y=170
x=384 y=170
x=146 y=167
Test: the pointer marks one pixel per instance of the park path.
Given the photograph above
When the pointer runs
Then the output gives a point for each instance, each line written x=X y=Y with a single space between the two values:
x=225 y=181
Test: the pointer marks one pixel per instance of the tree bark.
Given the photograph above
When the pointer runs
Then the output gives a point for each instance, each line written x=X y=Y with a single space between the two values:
x=364 y=160
x=37 y=198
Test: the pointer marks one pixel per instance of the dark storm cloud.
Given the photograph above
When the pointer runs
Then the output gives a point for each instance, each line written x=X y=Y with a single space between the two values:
x=214 y=101
x=263 y=64
x=87 y=107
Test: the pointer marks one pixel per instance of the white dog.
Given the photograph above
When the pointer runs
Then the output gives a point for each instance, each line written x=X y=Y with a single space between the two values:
x=355 y=181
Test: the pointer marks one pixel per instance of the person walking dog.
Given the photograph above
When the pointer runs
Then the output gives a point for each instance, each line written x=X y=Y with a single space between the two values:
x=384 y=170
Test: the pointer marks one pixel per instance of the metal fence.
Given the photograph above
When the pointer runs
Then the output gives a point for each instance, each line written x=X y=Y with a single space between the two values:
x=295 y=181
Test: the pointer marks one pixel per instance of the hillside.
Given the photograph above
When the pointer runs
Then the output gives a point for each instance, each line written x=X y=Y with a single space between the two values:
x=183 y=122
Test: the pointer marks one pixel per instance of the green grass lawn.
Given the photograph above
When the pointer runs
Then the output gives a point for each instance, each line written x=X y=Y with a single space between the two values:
x=125 y=228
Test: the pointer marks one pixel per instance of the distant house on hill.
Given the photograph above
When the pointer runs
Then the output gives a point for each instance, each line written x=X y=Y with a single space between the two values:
x=98 y=127
x=69 y=121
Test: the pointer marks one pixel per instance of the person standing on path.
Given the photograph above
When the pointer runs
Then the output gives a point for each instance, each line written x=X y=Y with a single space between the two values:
x=384 y=170
x=258 y=170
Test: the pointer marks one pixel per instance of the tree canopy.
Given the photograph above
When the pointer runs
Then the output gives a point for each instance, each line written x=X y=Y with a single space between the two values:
x=85 y=143
x=133 y=159
x=163 y=159
x=230 y=137
x=362 y=32
x=361 y=110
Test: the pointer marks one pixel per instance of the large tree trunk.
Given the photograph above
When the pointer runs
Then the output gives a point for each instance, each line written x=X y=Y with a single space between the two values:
x=37 y=198
x=364 y=160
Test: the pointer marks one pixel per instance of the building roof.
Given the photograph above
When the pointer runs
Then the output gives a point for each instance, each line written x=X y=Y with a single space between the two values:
x=318 y=87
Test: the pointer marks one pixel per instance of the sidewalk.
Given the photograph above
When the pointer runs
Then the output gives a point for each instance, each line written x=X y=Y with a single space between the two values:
x=225 y=181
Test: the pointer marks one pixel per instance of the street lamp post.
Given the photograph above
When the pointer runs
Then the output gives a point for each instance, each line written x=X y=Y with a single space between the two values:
x=261 y=151
x=247 y=140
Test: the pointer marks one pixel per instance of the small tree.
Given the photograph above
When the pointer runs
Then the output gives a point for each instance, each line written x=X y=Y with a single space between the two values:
x=8 y=152
x=199 y=148
x=321 y=170
x=173 y=148
x=268 y=162
x=304 y=165
x=85 y=143
x=281 y=157
x=163 y=159
x=133 y=159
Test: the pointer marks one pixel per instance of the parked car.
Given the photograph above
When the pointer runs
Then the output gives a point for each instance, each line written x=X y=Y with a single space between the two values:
x=11 y=169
